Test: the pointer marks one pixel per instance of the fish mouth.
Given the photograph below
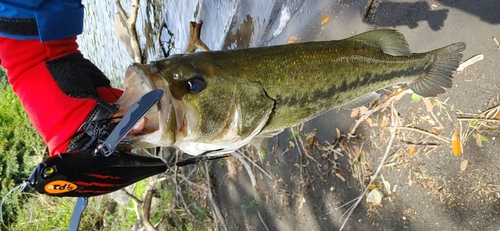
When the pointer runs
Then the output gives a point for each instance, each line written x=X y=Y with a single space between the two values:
x=161 y=122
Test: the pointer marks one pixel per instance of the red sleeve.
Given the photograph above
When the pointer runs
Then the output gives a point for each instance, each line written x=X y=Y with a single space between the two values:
x=55 y=113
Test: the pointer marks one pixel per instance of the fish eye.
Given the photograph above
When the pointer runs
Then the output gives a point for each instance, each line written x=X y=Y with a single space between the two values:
x=196 y=85
x=48 y=171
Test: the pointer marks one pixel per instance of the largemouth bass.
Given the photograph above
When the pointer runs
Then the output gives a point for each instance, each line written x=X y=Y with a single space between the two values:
x=215 y=102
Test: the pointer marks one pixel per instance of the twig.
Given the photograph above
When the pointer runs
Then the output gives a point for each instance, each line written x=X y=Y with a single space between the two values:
x=215 y=207
x=307 y=152
x=299 y=149
x=133 y=197
x=478 y=120
x=178 y=190
x=496 y=42
x=425 y=133
x=376 y=109
x=131 y=21
x=347 y=204
x=470 y=61
x=262 y=220
x=395 y=119
x=255 y=164
x=185 y=179
x=135 y=201
x=247 y=167
x=146 y=211
x=194 y=38
x=301 y=167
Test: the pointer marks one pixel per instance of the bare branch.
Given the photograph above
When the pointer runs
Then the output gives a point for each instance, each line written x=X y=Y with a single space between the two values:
x=146 y=209
x=215 y=207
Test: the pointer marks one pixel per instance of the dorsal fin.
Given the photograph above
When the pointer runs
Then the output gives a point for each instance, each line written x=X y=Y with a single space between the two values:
x=390 y=41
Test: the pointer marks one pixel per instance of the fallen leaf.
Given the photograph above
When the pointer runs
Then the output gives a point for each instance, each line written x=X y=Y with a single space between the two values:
x=354 y=112
x=363 y=110
x=383 y=124
x=428 y=104
x=411 y=150
x=338 y=133
x=497 y=116
x=324 y=19
x=479 y=142
x=375 y=197
x=291 y=144
x=463 y=165
x=369 y=121
x=456 y=149
x=292 y=39
x=434 y=130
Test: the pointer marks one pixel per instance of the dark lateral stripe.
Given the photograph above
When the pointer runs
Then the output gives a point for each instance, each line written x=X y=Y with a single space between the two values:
x=332 y=94
x=19 y=26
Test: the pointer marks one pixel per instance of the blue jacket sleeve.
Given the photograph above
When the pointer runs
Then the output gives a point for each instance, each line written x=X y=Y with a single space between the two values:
x=44 y=20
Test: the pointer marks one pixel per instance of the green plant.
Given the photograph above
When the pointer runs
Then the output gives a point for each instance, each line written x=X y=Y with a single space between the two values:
x=20 y=149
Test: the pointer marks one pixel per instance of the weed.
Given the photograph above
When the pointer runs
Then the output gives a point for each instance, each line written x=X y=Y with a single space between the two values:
x=263 y=155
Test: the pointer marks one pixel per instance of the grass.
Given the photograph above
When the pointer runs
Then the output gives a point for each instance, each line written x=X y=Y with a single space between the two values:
x=42 y=212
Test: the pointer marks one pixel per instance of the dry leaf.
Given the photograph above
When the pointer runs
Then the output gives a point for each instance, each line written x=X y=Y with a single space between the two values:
x=354 y=112
x=369 y=121
x=311 y=137
x=463 y=165
x=338 y=133
x=292 y=39
x=428 y=104
x=384 y=122
x=434 y=130
x=363 y=110
x=375 y=197
x=411 y=150
x=479 y=141
x=291 y=144
x=324 y=19
x=455 y=143
x=497 y=116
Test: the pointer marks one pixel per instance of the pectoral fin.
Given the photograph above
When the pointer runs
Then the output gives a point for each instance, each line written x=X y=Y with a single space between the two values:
x=279 y=121
x=362 y=101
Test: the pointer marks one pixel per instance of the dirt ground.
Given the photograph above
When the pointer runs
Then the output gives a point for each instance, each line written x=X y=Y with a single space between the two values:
x=424 y=185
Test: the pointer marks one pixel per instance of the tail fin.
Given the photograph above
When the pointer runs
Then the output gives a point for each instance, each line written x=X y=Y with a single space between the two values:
x=438 y=75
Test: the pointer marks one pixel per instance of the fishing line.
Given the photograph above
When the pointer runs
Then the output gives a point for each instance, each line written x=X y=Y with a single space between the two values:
x=21 y=187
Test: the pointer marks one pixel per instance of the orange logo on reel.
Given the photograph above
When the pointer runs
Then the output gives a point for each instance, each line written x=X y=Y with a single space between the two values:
x=59 y=186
